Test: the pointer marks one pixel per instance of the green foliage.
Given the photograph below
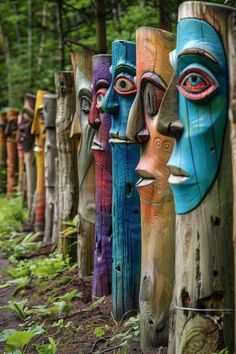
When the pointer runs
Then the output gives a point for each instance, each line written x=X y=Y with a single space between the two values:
x=20 y=338
x=101 y=331
x=49 y=348
x=11 y=216
x=18 y=308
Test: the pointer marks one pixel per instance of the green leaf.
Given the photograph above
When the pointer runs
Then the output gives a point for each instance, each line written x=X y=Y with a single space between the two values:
x=49 y=348
x=99 y=331
x=6 y=333
x=20 y=338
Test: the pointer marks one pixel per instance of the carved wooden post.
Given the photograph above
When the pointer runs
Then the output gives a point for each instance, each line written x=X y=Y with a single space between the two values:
x=232 y=116
x=3 y=153
x=67 y=153
x=38 y=129
x=10 y=132
x=103 y=177
x=56 y=229
x=20 y=152
x=28 y=146
x=157 y=206
x=201 y=180
x=81 y=129
x=126 y=243
x=49 y=114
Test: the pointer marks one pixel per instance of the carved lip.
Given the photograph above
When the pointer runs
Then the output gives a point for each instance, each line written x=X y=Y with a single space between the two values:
x=96 y=146
x=177 y=175
x=119 y=141
x=142 y=182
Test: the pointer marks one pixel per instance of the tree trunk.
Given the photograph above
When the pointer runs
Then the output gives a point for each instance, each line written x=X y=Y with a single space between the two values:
x=60 y=31
x=3 y=153
x=232 y=113
x=67 y=154
x=30 y=42
x=50 y=106
x=43 y=35
x=101 y=39
x=164 y=13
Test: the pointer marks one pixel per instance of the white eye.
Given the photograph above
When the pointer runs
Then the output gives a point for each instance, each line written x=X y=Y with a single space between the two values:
x=99 y=98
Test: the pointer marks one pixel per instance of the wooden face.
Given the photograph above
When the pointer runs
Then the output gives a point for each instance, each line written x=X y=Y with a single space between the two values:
x=38 y=126
x=157 y=208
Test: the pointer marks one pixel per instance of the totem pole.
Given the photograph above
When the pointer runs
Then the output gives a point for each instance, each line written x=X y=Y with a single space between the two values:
x=49 y=114
x=3 y=153
x=82 y=63
x=157 y=206
x=28 y=145
x=103 y=177
x=20 y=151
x=126 y=242
x=10 y=133
x=232 y=116
x=67 y=154
x=38 y=129
x=195 y=113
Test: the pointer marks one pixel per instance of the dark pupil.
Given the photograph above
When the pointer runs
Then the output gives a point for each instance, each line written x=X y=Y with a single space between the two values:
x=194 y=78
x=123 y=84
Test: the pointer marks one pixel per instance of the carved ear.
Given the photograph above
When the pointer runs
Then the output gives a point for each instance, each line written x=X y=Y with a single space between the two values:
x=136 y=120
x=168 y=112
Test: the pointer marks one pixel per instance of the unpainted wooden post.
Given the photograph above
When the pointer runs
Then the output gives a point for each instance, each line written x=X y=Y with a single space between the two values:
x=12 y=161
x=20 y=152
x=154 y=72
x=49 y=114
x=82 y=64
x=201 y=180
x=67 y=154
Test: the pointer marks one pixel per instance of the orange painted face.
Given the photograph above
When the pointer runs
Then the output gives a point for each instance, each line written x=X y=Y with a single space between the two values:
x=38 y=126
x=153 y=75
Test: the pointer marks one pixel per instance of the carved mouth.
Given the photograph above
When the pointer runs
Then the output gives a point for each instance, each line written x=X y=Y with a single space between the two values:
x=145 y=182
x=96 y=146
x=119 y=141
x=177 y=175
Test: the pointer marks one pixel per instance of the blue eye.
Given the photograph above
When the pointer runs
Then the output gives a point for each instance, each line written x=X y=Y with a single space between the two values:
x=85 y=104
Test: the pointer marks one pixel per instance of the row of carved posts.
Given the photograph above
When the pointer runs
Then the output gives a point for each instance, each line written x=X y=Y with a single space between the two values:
x=136 y=146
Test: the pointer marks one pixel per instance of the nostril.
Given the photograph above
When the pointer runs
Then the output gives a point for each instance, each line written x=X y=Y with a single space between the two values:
x=97 y=122
x=175 y=129
x=143 y=136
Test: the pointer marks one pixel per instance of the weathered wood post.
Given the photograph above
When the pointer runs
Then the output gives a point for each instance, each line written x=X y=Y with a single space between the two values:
x=67 y=154
x=28 y=146
x=126 y=228
x=82 y=63
x=12 y=162
x=20 y=153
x=49 y=114
x=201 y=180
x=3 y=153
x=38 y=129
x=154 y=72
x=103 y=177
x=232 y=116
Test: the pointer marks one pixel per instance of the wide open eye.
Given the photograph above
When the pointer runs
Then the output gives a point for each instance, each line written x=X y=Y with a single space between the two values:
x=85 y=104
x=196 y=84
x=124 y=86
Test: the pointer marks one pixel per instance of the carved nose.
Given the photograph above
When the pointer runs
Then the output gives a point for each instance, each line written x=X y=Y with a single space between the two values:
x=143 y=136
x=175 y=129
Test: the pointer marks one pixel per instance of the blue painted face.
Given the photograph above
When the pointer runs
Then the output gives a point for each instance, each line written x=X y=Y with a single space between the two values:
x=122 y=90
x=201 y=75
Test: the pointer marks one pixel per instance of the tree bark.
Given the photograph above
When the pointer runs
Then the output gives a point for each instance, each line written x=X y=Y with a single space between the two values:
x=3 y=153
x=101 y=39
x=67 y=154
x=43 y=35
x=60 y=31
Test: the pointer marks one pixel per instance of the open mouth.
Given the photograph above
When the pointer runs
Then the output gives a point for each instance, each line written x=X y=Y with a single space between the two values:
x=145 y=182
x=177 y=175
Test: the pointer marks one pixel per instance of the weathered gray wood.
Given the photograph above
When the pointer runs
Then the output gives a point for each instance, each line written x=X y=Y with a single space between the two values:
x=232 y=116
x=50 y=107
x=55 y=232
x=67 y=153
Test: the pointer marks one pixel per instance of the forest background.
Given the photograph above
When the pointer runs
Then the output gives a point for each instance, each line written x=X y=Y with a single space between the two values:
x=37 y=36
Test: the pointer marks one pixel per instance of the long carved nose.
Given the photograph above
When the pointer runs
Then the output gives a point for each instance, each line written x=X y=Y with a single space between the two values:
x=143 y=136
x=93 y=117
x=168 y=122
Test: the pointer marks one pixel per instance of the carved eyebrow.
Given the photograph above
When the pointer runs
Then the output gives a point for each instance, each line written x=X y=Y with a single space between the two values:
x=123 y=67
x=101 y=83
x=199 y=51
x=155 y=79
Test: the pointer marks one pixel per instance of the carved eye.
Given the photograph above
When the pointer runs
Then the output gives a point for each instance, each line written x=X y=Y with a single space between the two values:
x=196 y=84
x=153 y=96
x=99 y=97
x=85 y=104
x=124 y=86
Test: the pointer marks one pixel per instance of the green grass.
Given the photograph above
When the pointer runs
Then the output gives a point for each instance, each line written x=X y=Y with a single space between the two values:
x=12 y=214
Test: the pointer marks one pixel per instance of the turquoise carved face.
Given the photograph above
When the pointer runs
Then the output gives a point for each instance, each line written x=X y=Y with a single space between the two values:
x=122 y=90
x=201 y=77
